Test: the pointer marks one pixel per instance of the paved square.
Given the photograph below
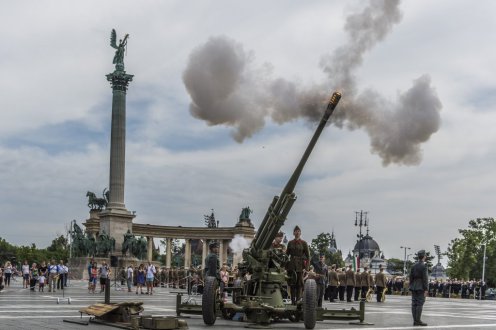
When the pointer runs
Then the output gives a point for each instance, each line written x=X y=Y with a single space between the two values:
x=23 y=309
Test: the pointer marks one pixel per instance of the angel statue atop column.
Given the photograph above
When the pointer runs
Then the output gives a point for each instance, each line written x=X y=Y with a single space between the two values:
x=119 y=53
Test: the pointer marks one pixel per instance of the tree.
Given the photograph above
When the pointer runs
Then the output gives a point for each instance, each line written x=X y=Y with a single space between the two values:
x=321 y=245
x=395 y=266
x=465 y=253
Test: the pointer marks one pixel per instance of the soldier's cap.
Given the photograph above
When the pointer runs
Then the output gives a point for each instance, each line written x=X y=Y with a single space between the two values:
x=322 y=254
x=280 y=234
x=296 y=228
x=421 y=253
x=213 y=244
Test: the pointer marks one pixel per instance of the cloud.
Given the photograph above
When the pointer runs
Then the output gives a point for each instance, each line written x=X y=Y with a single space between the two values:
x=227 y=89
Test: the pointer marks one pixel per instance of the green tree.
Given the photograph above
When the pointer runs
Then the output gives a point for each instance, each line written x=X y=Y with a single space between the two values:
x=395 y=266
x=465 y=253
x=7 y=251
x=428 y=260
x=321 y=244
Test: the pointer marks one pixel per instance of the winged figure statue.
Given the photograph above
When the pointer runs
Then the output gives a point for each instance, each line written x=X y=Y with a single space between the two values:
x=120 y=49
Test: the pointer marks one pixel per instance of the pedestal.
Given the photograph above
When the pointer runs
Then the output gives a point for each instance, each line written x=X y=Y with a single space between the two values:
x=116 y=223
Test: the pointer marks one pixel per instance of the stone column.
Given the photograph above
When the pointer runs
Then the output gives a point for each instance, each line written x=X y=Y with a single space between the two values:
x=115 y=220
x=204 y=252
x=149 y=250
x=187 y=253
x=168 y=252
x=221 y=252
x=119 y=81
x=225 y=244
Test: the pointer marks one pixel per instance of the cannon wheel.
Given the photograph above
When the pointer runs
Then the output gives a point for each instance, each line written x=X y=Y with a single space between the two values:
x=209 y=300
x=309 y=304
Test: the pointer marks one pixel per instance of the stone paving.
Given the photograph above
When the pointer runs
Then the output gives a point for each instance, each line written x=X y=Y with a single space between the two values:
x=23 y=309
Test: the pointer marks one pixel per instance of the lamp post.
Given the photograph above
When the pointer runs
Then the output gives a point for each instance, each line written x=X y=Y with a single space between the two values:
x=483 y=271
x=404 y=263
x=71 y=230
x=360 y=222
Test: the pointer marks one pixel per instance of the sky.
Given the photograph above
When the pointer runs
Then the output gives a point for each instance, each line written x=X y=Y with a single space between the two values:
x=225 y=98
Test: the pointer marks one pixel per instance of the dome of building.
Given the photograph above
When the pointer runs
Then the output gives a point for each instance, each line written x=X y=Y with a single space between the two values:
x=367 y=243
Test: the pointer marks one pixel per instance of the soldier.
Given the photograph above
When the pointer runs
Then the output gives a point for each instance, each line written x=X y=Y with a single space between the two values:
x=350 y=283
x=212 y=264
x=299 y=255
x=358 y=284
x=342 y=283
x=333 y=281
x=418 y=286
x=365 y=282
x=380 y=283
x=321 y=278
x=277 y=244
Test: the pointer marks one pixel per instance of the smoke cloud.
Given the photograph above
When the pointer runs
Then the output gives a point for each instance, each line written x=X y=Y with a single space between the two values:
x=239 y=243
x=226 y=89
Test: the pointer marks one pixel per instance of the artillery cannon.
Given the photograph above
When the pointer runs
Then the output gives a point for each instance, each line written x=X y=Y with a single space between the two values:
x=260 y=299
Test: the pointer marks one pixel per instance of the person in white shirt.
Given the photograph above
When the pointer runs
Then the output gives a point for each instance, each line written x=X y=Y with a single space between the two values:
x=53 y=274
x=129 y=277
x=62 y=275
x=150 y=276
x=25 y=274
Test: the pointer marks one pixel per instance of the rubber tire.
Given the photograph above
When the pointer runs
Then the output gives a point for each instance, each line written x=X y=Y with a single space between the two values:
x=310 y=304
x=209 y=300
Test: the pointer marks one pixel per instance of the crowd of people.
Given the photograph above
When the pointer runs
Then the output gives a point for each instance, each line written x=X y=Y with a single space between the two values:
x=36 y=277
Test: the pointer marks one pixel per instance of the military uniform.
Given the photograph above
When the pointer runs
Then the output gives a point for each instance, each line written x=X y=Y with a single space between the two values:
x=333 y=281
x=380 y=284
x=418 y=285
x=358 y=285
x=212 y=265
x=365 y=283
x=342 y=284
x=299 y=255
x=320 y=269
x=350 y=284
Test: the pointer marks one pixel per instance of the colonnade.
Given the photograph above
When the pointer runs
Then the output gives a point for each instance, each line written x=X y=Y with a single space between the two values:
x=222 y=235
x=223 y=251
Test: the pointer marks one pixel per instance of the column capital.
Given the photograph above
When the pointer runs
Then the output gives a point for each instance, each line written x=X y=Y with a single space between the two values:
x=119 y=80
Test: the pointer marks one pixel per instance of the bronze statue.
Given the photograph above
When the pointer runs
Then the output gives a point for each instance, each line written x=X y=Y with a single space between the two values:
x=78 y=241
x=129 y=241
x=105 y=244
x=94 y=202
x=120 y=49
x=139 y=248
x=245 y=213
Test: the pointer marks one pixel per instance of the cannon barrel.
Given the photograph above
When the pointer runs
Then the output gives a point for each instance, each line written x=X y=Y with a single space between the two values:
x=281 y=205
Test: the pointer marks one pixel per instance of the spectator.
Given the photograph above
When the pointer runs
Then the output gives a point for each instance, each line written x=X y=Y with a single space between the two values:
x=7 y=271
x=93 y=277
x=104 y=273
x=150 y=276
x=53 y=274
x=129 y=277
x=224 y=279
x=34 y=276
x=41 y=283
x=25 y=274
x=140 y=278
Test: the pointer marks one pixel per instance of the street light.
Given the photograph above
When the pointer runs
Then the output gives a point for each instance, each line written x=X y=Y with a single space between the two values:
x=404 y=263
x=360 y=224
x=483 y=271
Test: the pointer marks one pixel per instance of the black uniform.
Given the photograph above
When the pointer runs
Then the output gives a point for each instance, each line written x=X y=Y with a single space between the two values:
x=418 y=285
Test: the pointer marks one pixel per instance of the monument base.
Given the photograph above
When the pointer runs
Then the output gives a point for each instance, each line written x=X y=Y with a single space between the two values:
x=116 y=223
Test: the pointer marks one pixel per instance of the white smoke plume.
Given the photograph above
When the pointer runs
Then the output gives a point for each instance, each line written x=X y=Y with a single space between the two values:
x=226 y=89
x=239 y=243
